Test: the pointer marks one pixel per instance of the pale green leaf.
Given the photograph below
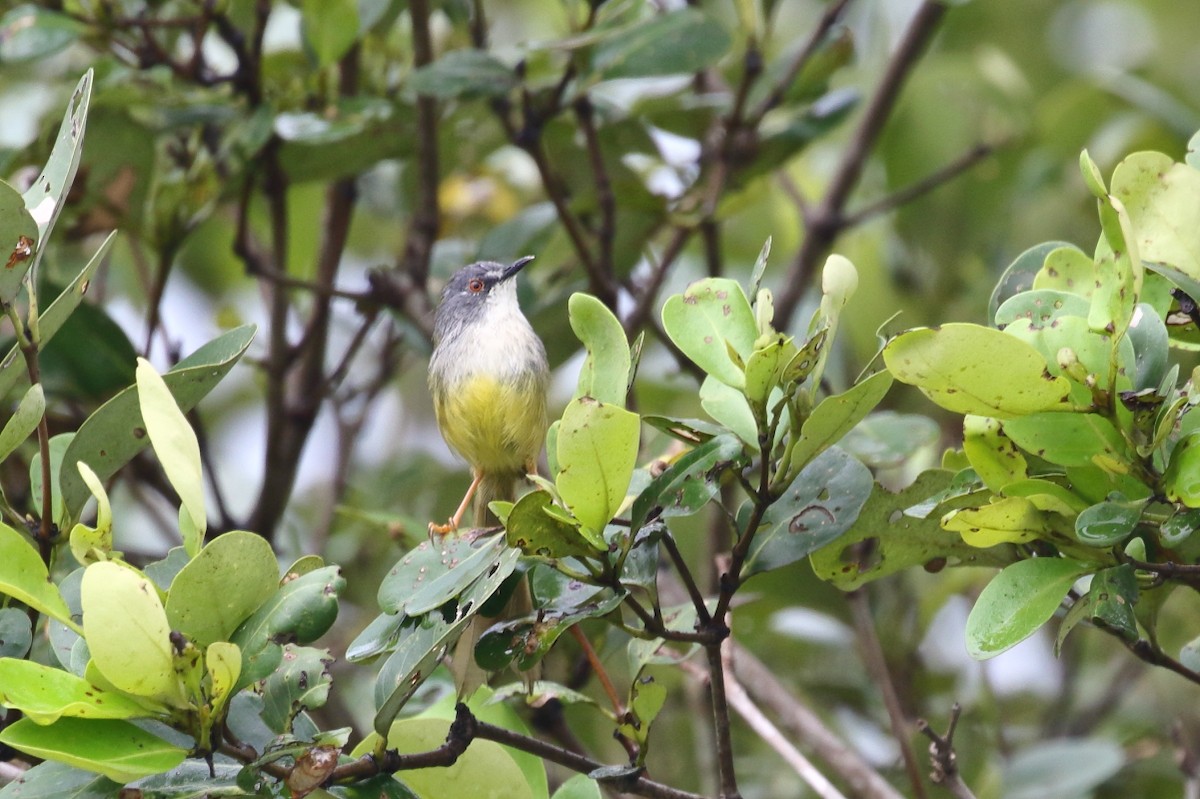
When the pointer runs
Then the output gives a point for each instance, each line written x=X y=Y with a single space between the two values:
x=23 y=577
x=24 y=420
x=712 y=323
x=90 y=544
x=597 y=451
x=112 y=747
x=605 y=372
x=173 y=440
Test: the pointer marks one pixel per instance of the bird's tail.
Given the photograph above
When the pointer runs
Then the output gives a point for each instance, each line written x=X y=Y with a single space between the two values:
x=468 y=675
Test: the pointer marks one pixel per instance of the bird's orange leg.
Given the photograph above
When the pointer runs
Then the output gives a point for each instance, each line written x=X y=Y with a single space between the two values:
x=452 y=524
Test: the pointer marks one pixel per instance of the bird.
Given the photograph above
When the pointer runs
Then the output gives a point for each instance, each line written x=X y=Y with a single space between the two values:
x=488 y=376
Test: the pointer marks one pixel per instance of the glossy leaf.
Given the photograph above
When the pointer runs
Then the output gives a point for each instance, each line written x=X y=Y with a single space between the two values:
x=44 y=694
x=1018 y=601
x=1074 y=439
x=836 y=415
x=604 y=375
x=112 y=747
x=23 y=577
x=765 y=367
x=418 y=651
x=533 y=531
x=886 y=439
x=302 y=610
x=379 y=636
x=597 y=451
x=1181 y=482
x=493 y=560
x=1113 y=595
x=115 y=433
x=128 y=633
x=712 y=323
x=688 y=483
x=1107 y=523
x=821 y=504
x=221 y=586
x=954 y=366
x=174 y=443
x=50 y=780
x=683 y=40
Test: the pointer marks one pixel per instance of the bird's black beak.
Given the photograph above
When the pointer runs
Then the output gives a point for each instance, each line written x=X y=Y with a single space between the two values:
x=517 y=266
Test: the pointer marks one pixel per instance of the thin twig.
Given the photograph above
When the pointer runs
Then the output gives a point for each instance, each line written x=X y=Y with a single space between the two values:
x=944 y=758
x=606 y=232
x=877 y=668
x=826 y=221
x=423 y=226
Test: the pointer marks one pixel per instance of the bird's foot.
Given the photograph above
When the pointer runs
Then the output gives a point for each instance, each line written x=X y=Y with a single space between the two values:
x=442 y=529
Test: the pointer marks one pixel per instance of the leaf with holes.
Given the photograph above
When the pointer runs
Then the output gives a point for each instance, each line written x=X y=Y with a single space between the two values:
x=689 y=483
x=537 y=533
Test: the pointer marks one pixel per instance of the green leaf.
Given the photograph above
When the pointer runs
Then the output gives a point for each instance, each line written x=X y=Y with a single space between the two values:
x=300 y=683
x=465 y=74
x=302 y=610
x=418 y=651
x=526 y=641
x=114 y=748
x=533 y=531
x=29 y=33
x=772 y=353
x=605 y=372
x=1107 y=523
x=1113 y=595
x=492 y=560
x=1181 y=482
x=115 y=433
x=12 y=366
x=18 y=237
x=127 y=632
x=993 y=455
x=1092 y=177
x=1018 y=601
x=427 y=561
x=1162 y=199
x=24 y=420
x=47 y=195
x=174 y=443
x=1008 y=520
x=1067 y=269
x=222 y=586
x=58 y=448
x=1062 y=768
x=597 y=451
x=1070 y=439
x=23 y=577
x=486 y=769
x=954 y=366
x=712 y=323
x=45 y=694
x=686 y=40
x=91 y=544
x=330 y=28
x=835 y=416
x=1021 y=275
x=223 y=662
x=821 y=504
x=1041 y=306
x=16 y=633
x=581 y=786
x=50 y=780
x=885 y=540
x=730 y=407
x=689 y=483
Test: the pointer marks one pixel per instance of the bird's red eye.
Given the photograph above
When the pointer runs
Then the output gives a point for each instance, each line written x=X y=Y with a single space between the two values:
x=475 y=285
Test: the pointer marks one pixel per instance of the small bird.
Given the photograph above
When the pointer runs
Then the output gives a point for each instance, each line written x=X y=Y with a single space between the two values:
x=488 y=376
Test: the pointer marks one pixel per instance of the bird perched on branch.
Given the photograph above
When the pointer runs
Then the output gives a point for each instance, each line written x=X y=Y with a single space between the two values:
x=488 y=376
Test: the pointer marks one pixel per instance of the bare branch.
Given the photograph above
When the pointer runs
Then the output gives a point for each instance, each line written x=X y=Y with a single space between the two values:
x=943 y=757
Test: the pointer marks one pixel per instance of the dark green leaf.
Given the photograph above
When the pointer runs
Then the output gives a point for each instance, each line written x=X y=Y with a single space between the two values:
x=527 y=640
x=28 y=33
x=52 y=780
x=376 y=638
x=464 y=74
x=1107 y=523
x=689 y=483
x=1114 y=594
x=112 y=435
x=535 y=532
x=820 y=505
x=491 y=560
x=685 y=40
x=300 y=683
x=16 y=634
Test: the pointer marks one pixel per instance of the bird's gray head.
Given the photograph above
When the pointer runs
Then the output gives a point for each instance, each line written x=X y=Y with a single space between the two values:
x=476 y=292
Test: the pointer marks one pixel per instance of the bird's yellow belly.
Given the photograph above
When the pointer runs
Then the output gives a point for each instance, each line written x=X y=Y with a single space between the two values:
x=497 y=426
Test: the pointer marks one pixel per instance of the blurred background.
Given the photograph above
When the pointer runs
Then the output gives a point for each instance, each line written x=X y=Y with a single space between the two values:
x=310 y=167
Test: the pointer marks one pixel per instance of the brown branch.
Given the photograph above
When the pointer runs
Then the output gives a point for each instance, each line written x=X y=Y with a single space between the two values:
x=877 y=668
x=832 y=14
x=606 y=232
x=943 y=757
x=726 y=773
x=423 y=226
x=922 y=187
x=826 y=220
